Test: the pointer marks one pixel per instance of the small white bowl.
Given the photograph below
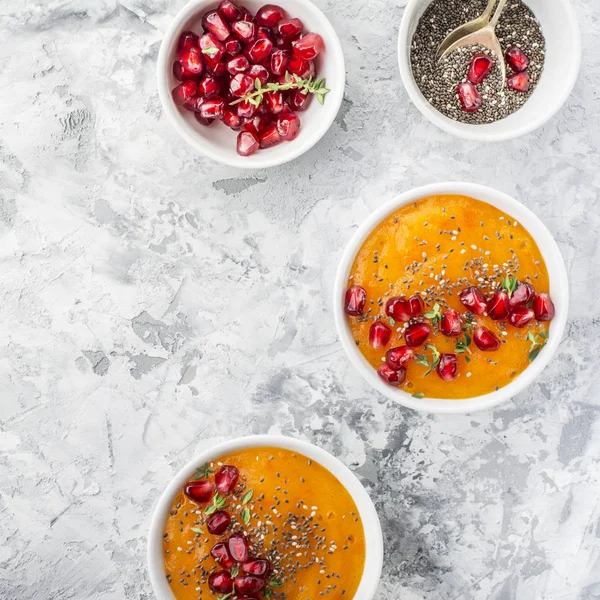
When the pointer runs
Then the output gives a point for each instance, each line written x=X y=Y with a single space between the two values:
x=559 y=291
x=366 y=509
x=218 y=141
x=563 y=59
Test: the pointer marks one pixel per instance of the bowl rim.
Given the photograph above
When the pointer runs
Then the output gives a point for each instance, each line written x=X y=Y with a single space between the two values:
x=559 y=288
x=364 y=504
x=293 y=149
x=481 y=133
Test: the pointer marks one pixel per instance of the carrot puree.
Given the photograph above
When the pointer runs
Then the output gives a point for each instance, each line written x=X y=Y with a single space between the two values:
x=300 y=518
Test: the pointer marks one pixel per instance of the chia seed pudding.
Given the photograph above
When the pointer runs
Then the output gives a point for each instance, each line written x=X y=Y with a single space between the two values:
x=438 y=80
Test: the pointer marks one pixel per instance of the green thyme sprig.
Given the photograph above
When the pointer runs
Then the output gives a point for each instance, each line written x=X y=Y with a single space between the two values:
x=462 y=346
x=510 y=283
x=210 y=51
x=537 y=343
x=435 y=314
x=218 y=502
x=430 y=364
x=292 y=82
x=202 y=472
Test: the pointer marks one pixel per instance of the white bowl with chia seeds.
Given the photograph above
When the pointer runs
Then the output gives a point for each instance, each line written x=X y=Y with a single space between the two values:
x=553 y=69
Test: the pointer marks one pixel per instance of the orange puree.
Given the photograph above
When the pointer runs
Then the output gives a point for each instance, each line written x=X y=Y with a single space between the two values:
x=436 y=247
x=313 y=534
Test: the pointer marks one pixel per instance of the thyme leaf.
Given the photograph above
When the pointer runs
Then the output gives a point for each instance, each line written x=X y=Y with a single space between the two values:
x=202 y=472
x=435 y=314
x=510 y=283
x=210 y=51
x=430 y=364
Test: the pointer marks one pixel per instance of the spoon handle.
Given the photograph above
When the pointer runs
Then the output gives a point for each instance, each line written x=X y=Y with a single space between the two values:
x=488 y=10
x=496 y=17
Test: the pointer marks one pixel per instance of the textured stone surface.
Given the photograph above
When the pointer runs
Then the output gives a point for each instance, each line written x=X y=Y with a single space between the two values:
x=151 y=299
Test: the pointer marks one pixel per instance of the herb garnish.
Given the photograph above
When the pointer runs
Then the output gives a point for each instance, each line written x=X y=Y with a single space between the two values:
x=537 y=343
x=274 y=583
x=391 y=321
x=431 y=364
x=246 y=515
x=235 y=570
x=197 y=530
x=210 y=51
x=510 y=283
x=462 y=346
x=418 y=395
x=247 y=496
x=202 y=472
x=218 y=503
x=435 y=314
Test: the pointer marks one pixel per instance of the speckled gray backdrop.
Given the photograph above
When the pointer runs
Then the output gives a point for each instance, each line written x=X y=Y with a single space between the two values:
x=151 y=299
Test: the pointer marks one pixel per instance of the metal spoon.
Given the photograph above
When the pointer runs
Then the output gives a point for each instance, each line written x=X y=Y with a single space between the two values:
x=480 y=31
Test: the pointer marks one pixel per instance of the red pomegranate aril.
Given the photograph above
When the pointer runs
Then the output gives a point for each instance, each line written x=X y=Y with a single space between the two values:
x=398 y=308
x=415 y=306
x=399 y=357
x=209 y=87
x=241 y=84
x=184 y=92
x=288 y=126
x=290 y=28
x=450 y=325
x=298 y=100
x=270 y=15
x=238 y=548
x=254 y=124
x=214 y=23
x=390 y=375
x=220 y=582
x=308 y=46
x=248 y=584
x=519 y=82
x=199 y=491
x=543 y=307
x=274 y=102
x=194 y=104
x=247 y=15
x=233 y=47
x=191 y=61
x=485 y=339
x=244 y=30
x=300 y=67
x=246 y=109
x=202 y=120
x=187 y=40
x=238 y=64
x=212 y=108
x=473 y=300
x=447 y=368
x=259 y=72
x=481 y=65
x=257 y=566
x=220 y=553
x=469 y=96
x=278 y=62
x=521 y=316
x=523 y=294
x=269 y=136
x=356 y=298
x=259 y=51
x=247 y=143
x=379 y=335
x=416 y=334
x=516 y=59
x=218 y=522
x=266 y=33
x=211 y=47
x=229 y=10
x=180 y=73
x=498 y=306
x=215 y=67
x=226 y=478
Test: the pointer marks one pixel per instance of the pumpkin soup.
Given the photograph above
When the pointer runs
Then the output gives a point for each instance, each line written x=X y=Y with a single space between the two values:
x=263 y=523
x=448 y=298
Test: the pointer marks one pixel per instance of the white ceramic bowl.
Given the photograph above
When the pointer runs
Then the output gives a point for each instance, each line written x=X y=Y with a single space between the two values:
x=559 y=291
x=366 y=509
x=218 y=141
x=563 y=59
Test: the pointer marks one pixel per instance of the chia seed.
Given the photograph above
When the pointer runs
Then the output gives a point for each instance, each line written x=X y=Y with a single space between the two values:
x=438 y=80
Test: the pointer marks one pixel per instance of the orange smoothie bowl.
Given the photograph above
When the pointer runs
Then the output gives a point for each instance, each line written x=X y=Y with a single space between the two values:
x=267 y=517
x=451 y=298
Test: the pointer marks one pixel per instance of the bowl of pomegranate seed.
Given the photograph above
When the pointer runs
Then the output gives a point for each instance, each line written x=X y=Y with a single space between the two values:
x=451 y=298
x=471 y=92
x=264 y=516
x=253 y=85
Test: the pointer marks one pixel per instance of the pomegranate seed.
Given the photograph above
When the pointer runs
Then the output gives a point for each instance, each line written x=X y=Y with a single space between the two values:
x=283 y=44
x=260 y=50
x=247 y=15
x=238 y=64
x=416 y=334
x=498 y=306
x=516 y=59
x=356 y=297
x=238 y=547
x=290 y=28
x=267 y=34
x=481 y=65
x=308 y=46
x=233 y=47
x=184 y=92
x=209 y=87
x=254 y=124
x=288 y=126
x=416 y=306
x=398 y=308
x=202 y=120
x=390 y=375
x=379 y=335
x=209 y=42
x=245 y=31
x=229 y=11
x=259 y=72
x=194 y=104
x=300 y=67
x=226 y=478
x=270 y=15
x=199 y=491
x=218 y=522
x=187 y=40
x=212 y=109
x=191 y=61
x=247 y=143
x=220 y=582
x=399 y=357
x=298 y=100
x=257 y=567
x=218 y=69
x=274 y=102
x=248 y=584
x=447 y=367
x=246 y=109
x=269 y=136
x=180 y=73
x=519 y=82
x=450 y=324
x=473 y=300
x=520 y=316
x=485 y=339
x=543 y=307
x=214 y=23
x=241 y=84
x=278 y=62
x=221 y=554
x=523 y=294
x=469 y=97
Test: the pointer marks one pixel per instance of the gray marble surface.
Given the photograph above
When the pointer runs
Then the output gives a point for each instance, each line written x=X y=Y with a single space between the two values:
x=152 y=299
